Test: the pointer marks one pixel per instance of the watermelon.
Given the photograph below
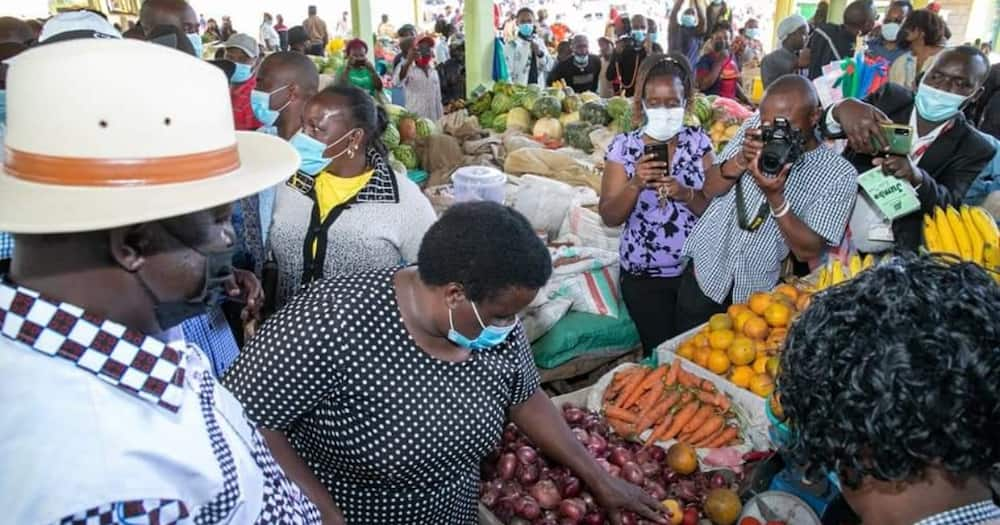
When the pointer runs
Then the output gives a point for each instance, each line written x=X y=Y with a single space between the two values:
x=555 y=92
x=549 y=128
x=618 y=106
x=500 y=123
x=391 y=136
x=425 y=127
x=501 y=103
x=519 y=119
x=486 y=119
x=528 y=100
x=595 y=113
x=547 y=107
x=395 y=112
x=571 y=103
x=406 y=154
x=578 y=136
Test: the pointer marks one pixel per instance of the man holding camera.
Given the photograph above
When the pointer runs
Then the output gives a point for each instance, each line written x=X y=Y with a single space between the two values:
x=775 y=190
x=945 y=153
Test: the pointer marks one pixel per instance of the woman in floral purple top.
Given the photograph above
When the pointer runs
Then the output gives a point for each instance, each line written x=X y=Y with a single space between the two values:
x=657 y=204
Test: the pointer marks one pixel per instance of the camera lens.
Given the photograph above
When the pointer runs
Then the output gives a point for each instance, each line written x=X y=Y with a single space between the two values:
x=774 y=155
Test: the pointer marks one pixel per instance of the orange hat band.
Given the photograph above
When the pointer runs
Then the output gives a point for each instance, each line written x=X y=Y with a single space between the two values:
x=77 y=171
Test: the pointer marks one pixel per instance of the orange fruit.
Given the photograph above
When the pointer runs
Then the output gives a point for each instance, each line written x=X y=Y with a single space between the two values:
x=722 y=507
x=700 y=340
x=676 y=512
x=686 y=350
x=762 y=385
x=742 y=351
x=759 y=301
x=721 y=340
x=788 y=291
x=778 y=315
x=682 y=459
x=760 y=364
x=719 y=322
x=756 y=328
x=718 y=362
x=701 y=356
x=735 y=310
x=741 y=319
x=803 y=302
x=741 y=376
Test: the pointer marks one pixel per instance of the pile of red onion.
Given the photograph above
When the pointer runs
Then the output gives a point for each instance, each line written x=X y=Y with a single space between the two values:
x=522 y=487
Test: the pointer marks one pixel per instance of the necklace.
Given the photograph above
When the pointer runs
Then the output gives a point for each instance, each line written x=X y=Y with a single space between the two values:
x=635 y=74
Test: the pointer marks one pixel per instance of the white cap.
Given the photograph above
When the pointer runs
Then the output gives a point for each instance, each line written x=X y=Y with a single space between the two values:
x=76 y=24
x=244 y=42
x=790 y=25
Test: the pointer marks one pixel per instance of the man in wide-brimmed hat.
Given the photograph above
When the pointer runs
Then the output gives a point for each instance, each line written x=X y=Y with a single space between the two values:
x=118 y=192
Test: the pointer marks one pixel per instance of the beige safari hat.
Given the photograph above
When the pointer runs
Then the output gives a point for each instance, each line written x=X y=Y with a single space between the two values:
x=104 y=133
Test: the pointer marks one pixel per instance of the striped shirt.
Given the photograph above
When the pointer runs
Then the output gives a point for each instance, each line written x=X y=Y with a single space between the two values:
x=727 y=259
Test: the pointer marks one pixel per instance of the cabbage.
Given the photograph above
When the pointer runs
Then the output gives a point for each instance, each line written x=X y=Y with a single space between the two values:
x=547 y=107
x=482 y=104
x=501 y=103
x=425 y=127
x=548 y=128
x=595 y=113
x=528 y=100
x=486 y=119
x=391 y=136
x=500 y=123
x=407 y=156
x=519 y=118
x=618 y=106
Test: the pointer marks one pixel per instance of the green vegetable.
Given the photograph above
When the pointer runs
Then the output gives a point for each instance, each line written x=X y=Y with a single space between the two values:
x=407 y=156
x=486 y=119
x=520 y=119
x=595 y=113
x=571 y=103
x=425 y=127
x=501 y=103
x=555 y=92
x=534 y=90
x=500 y=123
x=578 y=136
x=391 y=136
x=528 y=100
x=618 y=106
x=547 y=107
x=481 y=104
x=395 y=112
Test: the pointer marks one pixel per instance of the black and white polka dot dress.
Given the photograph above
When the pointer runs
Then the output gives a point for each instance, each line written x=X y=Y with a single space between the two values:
x=395 y=434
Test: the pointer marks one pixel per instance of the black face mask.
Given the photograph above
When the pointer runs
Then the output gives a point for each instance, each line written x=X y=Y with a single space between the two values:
x=218 y=271
x=719 y=46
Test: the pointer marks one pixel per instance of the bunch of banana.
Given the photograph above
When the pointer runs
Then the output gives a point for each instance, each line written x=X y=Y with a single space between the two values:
x=968 y=233
x=834 y=272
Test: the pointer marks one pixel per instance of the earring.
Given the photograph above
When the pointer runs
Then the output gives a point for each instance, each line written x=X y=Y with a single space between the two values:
x=350 y=152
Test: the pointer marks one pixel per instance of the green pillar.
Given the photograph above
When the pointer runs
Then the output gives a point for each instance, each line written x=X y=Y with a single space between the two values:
x=361 y=24
x=479 y=37
x=836 y=13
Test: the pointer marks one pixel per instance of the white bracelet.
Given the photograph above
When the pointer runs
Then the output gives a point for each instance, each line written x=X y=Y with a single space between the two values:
x=782 y=211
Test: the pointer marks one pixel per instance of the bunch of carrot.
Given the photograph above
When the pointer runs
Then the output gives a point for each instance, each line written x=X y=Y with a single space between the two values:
x=671 y=401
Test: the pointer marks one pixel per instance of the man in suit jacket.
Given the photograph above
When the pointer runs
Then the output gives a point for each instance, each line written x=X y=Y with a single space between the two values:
x=947 y=152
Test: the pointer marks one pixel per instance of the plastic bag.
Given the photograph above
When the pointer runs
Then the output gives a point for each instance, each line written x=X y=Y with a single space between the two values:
x=545 y=202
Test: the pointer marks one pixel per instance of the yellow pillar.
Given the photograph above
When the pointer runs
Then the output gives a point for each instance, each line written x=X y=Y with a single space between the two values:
x=416 y=13
x=782 y=10
x=479 y=37
x=920 y=4
x=836 y=13
x=361 y=24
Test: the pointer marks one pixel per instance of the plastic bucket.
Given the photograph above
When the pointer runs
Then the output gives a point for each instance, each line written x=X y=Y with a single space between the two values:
x=479 y=183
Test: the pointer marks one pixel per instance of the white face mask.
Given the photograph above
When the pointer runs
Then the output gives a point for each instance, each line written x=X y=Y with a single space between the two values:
x=663 y=124
x=890 y=31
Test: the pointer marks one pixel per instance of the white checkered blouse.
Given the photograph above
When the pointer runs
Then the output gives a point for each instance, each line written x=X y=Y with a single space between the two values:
x=821 y=190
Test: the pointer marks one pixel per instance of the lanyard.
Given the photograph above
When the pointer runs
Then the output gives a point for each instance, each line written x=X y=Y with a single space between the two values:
x=741 y=210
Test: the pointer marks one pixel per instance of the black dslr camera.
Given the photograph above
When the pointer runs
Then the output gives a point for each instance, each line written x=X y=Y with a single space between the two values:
x=782 y=145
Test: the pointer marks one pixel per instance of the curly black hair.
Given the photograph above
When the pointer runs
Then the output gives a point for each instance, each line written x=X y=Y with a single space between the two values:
x=897 y=371
x=934 y=28
x=487 y=248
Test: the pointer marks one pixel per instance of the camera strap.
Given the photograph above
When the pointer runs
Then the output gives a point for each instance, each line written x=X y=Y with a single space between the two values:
x=757 y=221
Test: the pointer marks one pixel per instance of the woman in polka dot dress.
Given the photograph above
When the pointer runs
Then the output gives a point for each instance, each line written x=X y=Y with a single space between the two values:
x=381 y=392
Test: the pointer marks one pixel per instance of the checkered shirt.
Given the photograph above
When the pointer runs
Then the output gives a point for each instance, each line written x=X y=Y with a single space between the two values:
x=6 y=246
x=212 y=334
x=140 y=512
x=984 y=512
x=820 y=189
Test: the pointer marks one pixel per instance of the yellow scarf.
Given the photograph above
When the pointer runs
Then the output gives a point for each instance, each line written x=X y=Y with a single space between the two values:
x=332 y=191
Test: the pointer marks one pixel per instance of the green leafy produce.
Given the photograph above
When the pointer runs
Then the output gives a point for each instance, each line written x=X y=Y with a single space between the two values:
x=500 y=123
x=555 y=92
x=528 y=100
x=395 y=113
x=618 y=106
x=503 y=88
x=577 y=135
x=595 y=113
x=549 y=128
x=501 y=103
x=486 y=119
x=481 y=104
x=391 y=136
x=571 y=103
x=547 y=107
x=407 y=155
x=425 y=127
x=702 y=108
x=520 y=119
x=534 y=89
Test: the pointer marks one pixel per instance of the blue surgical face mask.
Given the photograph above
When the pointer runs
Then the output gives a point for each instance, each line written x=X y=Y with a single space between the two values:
x=241 y=74
x=638 y=35
x=752 y=33
x=581 y=60
x=260 y=102
x=652 y=37
x=197 y=44
x=935 y=105
x=890 y=31
x=526 y=30
x=689 y=20
x=311 y=152
x=3 y=106
x=490 y=336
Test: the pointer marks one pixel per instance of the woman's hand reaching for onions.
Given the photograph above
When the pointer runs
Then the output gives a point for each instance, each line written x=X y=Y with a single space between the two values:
x=617 y=495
